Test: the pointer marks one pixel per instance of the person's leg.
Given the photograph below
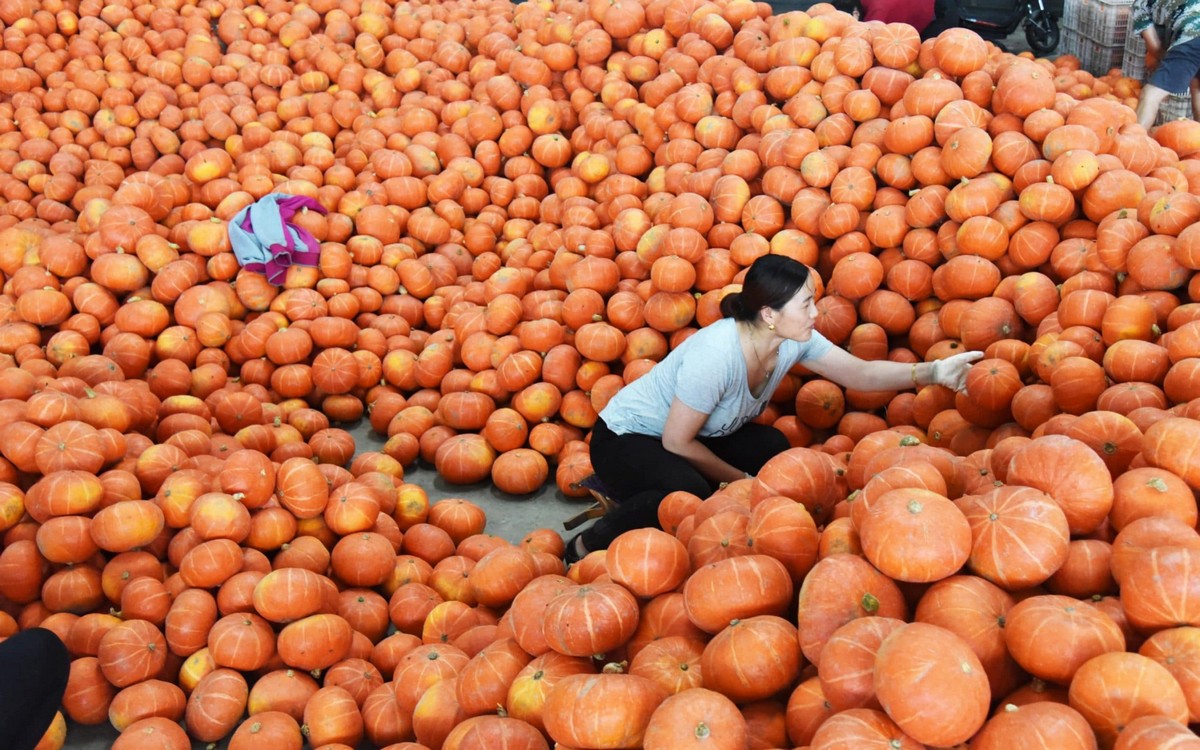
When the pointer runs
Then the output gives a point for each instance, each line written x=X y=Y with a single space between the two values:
x=747 y=449
x=1173 y=76
x=642 y=472
x=637 y=512
x=1195 y=91
x=750 y=447
x=33 y=675
x=632 y=463
x=1149 y=102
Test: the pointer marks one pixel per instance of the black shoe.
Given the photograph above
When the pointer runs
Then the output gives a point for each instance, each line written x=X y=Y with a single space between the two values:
x=571 y=553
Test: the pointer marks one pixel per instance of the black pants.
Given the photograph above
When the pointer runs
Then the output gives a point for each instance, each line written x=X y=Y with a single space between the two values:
x=33 y=675
x=642 y=472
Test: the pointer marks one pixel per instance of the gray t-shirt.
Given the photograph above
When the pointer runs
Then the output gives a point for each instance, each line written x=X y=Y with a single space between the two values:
x=708 y=373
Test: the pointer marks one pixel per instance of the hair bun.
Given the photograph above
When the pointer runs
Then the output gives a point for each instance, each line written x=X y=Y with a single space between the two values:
x=732 y=306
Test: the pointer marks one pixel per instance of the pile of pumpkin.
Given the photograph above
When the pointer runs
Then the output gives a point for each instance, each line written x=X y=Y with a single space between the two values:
x=527 y=207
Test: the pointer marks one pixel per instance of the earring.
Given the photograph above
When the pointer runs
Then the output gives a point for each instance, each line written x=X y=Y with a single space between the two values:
x=770 y=326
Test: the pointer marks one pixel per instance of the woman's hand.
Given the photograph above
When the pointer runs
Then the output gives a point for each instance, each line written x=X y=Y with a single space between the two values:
x=952 y=371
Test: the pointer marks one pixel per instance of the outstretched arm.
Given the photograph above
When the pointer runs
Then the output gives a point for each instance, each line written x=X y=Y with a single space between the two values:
x=849 y=371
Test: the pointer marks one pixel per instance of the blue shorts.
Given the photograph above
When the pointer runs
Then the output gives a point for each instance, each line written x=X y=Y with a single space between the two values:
x=1178 y=67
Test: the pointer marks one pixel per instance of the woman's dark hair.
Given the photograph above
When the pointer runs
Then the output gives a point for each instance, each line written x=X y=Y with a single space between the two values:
x=771 y=281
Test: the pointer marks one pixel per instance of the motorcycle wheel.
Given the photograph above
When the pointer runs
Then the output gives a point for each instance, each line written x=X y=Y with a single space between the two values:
x=1041 y=31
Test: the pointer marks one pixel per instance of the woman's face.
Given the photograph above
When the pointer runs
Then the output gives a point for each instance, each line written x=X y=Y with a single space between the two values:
x=795 y=319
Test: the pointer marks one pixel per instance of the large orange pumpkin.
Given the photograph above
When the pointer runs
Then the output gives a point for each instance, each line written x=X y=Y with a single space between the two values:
x=736 y=588
x=1078 y=631
x=694 y=719
x=752 y=658
x=922 y=670
x=1069 y=472
x=840 y=588
x=1114 y=689
x=591 y=619
x=604 y=710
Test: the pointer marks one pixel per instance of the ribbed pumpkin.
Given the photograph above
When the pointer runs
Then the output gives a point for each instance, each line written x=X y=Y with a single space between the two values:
x=591 y=619
x=922 y=670
x=602 y=710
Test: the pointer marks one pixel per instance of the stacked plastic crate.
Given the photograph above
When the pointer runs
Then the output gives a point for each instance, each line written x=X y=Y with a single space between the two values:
x=1095 y=31
x=1176 y=106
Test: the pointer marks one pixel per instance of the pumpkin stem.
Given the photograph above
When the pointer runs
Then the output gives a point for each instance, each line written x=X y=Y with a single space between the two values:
x=702 y=731
x=615 y=667
x=869 y=603
x=1157 y=484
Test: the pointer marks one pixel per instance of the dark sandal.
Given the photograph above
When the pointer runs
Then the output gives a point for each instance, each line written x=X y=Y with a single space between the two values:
x=571 y=554
x=604 y=502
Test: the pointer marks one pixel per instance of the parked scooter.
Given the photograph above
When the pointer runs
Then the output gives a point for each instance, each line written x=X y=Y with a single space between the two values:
x=1041 y=27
